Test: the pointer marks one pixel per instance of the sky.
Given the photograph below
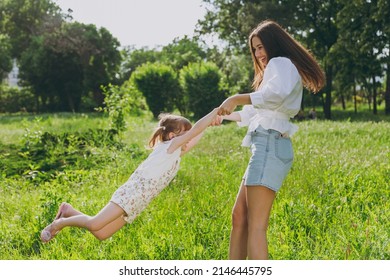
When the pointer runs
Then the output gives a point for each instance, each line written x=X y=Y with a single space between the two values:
x=142 y=23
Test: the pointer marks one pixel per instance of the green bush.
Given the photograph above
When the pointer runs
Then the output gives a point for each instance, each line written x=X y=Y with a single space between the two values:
x=201 y=85
x=159 y=85
x=119 y=102
x=13 y=99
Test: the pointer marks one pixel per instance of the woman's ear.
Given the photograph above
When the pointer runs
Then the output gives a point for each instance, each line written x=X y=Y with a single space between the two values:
x=171 y=135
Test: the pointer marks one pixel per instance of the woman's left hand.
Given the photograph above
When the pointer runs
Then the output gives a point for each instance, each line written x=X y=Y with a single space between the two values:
x=217 y=121
x=227 y=107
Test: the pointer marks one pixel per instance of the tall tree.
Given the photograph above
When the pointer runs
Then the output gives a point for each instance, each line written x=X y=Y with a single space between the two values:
x=361 y=37
x=382 y=16
x=182 y=52
x=5 y=56
x=24 y=19
x=68 y=63
x=133 y=58
x=312 y=21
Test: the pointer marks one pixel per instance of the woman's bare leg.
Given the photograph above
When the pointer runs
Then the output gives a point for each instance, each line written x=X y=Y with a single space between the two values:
x=239 y=232
x=260 y=200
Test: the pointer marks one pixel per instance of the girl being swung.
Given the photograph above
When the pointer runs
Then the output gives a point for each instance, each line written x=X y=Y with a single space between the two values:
x=174 y=137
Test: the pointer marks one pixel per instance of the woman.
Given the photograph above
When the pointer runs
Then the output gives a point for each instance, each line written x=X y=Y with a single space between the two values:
x=282 y=67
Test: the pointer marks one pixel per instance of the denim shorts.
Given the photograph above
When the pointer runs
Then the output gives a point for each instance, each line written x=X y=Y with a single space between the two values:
x=271 y=160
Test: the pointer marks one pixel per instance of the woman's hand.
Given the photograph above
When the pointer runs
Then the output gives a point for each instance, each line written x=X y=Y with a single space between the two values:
x=227 y=107
x=217 y=121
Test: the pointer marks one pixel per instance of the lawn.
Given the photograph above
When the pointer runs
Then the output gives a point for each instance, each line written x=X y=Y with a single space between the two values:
x=334 y=204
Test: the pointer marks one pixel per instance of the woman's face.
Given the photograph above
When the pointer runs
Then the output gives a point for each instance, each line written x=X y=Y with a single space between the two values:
x=259 y=51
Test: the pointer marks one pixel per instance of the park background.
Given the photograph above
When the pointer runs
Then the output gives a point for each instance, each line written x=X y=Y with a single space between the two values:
x=77 y=124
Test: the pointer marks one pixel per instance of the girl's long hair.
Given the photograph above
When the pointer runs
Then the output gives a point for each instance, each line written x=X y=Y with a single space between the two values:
x=277 y=42
x=168 y=123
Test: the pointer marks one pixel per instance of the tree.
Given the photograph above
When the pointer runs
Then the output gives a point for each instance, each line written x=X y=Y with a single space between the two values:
x=382 y=17
x=133 y=58
x=5 y=56
x=181 y=52
x=360 y=39
x=312 y=21
x=236 y=69
x=24 y=19
x=70 y=62
x=55 y=78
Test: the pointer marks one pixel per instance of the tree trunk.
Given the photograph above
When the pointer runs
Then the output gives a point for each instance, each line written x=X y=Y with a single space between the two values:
x=354 y=97
x=328 y=93
x=374 y=93
x=343 y=101
x=387 y=92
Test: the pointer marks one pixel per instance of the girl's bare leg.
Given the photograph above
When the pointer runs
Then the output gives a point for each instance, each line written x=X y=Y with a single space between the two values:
x=109 y=220
x=109 y=230
x=260 y=200
x=239 y=232
x=66 y=210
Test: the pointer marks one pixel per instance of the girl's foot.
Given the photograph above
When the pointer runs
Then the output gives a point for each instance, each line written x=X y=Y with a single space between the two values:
x=48 y=233
x=62 y=210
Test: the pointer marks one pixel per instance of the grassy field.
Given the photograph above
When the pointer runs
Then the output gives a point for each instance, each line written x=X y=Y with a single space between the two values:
x=334 y=204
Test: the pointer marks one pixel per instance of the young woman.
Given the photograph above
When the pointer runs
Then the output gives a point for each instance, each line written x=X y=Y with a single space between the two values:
x=174 y=137
x=282 y=67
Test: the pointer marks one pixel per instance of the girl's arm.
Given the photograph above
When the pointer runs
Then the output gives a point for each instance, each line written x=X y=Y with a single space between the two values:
x=187 y=147
x=197 y=129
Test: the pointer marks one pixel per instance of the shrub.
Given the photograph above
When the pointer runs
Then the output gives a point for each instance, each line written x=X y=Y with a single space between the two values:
x=119 y=102
x=13 y=99
x=159 y=85
x=201 y=86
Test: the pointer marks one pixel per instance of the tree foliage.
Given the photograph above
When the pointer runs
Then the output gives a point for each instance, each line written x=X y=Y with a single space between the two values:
x=322 y=26
x=133 y=58
x=24 y=19
x=5 y=56
x=364 y=41
x=61 y=60
x=182 y=52
x=69 y=63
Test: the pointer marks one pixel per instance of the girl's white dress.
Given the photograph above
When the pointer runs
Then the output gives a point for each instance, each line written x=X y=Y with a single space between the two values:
x=147 y=181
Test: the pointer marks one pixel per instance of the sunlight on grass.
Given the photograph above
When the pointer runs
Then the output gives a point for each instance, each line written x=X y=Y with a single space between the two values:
x=334 y=203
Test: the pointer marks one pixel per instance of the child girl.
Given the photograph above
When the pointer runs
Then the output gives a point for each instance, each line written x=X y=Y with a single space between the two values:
x=282 y=67
x=172 y=139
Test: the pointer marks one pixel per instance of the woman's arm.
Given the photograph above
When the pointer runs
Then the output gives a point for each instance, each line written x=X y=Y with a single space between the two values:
x=228 y=106
x=197 y=129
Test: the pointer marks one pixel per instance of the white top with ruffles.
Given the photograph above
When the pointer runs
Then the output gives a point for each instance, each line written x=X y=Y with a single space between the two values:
x=276 y=101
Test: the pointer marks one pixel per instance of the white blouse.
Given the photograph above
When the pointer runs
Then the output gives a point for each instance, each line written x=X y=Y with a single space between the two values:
x=277 y=99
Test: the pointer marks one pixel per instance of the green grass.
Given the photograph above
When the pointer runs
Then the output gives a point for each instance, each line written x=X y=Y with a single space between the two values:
x=334 y=204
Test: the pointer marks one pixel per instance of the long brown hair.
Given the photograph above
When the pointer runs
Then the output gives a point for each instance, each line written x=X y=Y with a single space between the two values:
x=168 y=123
x=277 y=42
